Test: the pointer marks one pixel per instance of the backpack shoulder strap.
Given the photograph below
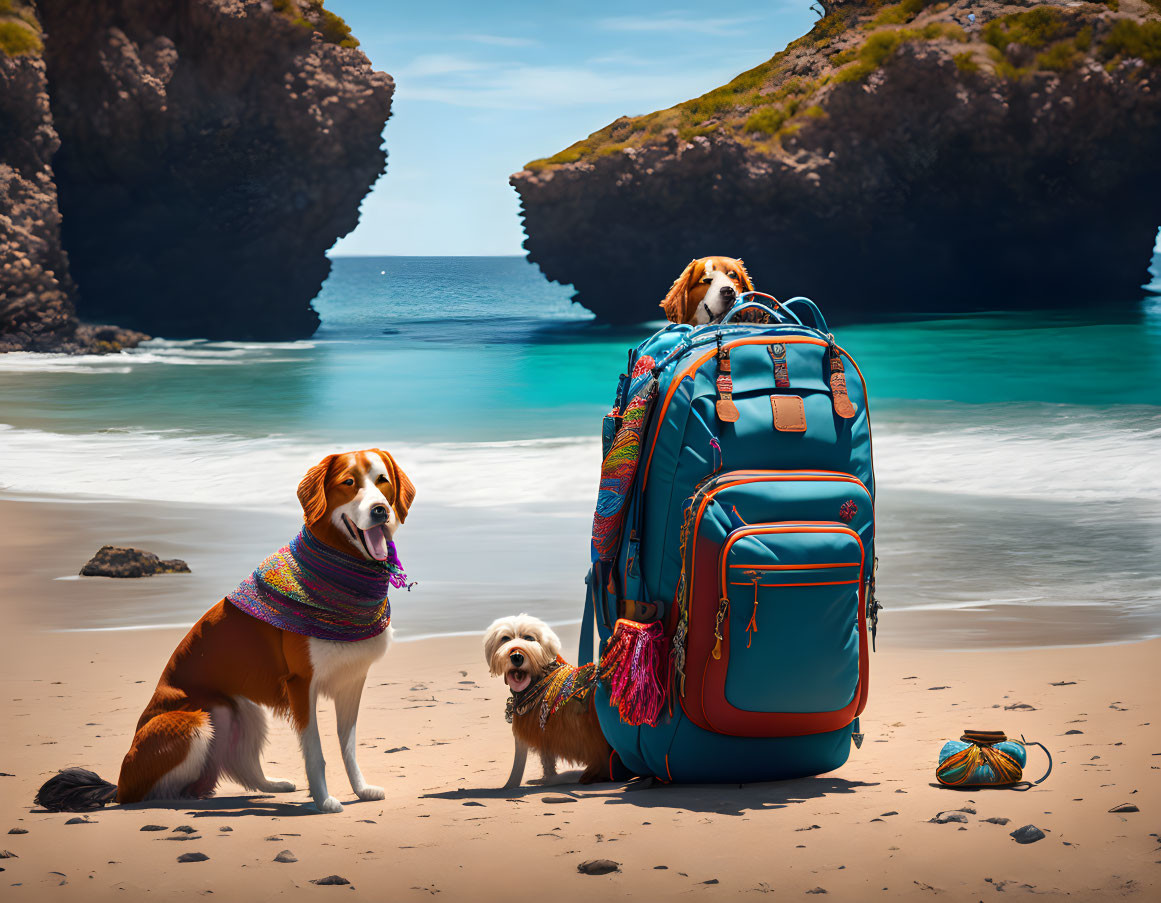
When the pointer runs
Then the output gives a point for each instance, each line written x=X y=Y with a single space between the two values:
x=585 y=653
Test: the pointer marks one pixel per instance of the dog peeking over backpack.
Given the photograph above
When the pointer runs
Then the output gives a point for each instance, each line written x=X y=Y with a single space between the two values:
x=707 y=289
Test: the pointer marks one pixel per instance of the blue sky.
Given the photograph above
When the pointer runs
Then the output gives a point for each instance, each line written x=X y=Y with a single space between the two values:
x=483 y=86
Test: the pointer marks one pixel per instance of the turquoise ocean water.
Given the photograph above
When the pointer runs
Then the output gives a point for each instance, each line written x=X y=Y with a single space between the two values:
x=1018 y=455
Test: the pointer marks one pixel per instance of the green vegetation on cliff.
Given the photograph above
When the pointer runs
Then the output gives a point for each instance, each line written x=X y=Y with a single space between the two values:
x=856 y=39
x=310 y=15
x=1129 y=39
x=19 y=29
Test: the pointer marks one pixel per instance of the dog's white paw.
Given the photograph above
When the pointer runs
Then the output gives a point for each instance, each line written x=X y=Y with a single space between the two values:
x=280 y=787
x=330 y=804
x=370 y=792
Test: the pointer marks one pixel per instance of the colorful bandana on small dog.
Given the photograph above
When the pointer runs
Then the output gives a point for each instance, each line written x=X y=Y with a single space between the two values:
x=560 y=684
x=308 y=588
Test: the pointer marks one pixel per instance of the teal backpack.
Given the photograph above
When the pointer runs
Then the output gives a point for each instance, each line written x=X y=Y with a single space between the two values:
x=733 y=561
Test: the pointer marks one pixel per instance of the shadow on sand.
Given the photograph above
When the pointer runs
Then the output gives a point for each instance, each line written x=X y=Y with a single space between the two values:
x=231 y=806
x=722 y=799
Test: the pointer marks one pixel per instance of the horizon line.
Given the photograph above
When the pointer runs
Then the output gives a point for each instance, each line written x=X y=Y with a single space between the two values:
x=376 y=256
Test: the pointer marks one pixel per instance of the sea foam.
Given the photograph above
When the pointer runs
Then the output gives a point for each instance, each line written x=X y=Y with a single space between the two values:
x=1070 y=460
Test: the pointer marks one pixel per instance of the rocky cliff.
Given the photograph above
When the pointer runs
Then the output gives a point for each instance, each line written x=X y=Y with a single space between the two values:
x=204 y=156
x=900 y=157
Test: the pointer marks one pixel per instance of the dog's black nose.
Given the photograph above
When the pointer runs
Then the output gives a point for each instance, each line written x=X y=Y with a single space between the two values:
x=379 y=512
x=728 y=292
x=517 y=659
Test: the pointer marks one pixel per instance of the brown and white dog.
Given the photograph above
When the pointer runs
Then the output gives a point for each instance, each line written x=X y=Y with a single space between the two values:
x=206 y=718
x=521 y=650
x=706 y=289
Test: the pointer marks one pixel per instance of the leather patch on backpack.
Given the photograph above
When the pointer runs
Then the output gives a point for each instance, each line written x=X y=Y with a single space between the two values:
x=789 y=413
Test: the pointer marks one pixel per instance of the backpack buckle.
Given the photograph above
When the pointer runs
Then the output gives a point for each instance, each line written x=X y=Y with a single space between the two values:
x=874 y=606
x=726 y=409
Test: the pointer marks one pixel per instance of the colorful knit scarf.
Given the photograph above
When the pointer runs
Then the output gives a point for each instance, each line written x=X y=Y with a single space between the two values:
x=309 y=588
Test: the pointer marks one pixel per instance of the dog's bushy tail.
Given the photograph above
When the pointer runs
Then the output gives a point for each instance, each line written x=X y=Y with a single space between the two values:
x=75 y=790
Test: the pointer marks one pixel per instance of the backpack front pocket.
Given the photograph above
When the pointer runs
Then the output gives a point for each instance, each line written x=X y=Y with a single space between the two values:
x=789 y=645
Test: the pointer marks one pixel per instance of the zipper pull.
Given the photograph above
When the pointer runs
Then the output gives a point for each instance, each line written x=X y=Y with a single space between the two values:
x=752 y=627
x=723 y=607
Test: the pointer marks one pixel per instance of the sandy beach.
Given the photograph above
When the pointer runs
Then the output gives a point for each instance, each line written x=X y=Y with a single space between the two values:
x=432 y=733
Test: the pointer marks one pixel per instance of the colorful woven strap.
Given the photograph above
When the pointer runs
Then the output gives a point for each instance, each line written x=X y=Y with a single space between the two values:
x=618 y=471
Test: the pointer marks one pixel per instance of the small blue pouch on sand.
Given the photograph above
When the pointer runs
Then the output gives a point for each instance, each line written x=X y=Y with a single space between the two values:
x=986 y=759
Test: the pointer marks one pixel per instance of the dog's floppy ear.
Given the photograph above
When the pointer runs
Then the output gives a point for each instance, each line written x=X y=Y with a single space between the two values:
x=312 y=490
x=404 y=488
x=676 y=301
x=491 y=643
x=551 y=642
x=747 y=283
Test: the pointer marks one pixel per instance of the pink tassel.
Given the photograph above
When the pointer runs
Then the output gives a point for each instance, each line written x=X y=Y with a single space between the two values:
x=636 y=664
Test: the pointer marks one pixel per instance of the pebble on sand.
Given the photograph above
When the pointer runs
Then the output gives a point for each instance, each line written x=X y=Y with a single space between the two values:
x=80 y=821
x=153 y=828
x=558 y=799
x=1027 y=834
x=186 y=829
x=18 y=830
x=598 y=867
x=286 y=856
x=330 y=879
x=8 y=854
x=1125 y=807
x=997 y=820
x=944 y=818
x=192 y=857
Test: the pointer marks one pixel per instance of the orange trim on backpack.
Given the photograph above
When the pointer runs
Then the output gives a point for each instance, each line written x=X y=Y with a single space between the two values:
x=806 y=476
x=793 y=567
x=827 y=583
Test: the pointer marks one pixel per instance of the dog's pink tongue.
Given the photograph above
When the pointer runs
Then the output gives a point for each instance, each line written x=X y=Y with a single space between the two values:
x=518 y=684
x=377 y=542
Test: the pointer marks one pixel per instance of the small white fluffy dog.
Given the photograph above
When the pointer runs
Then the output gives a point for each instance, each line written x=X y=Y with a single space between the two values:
x=522 y=649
